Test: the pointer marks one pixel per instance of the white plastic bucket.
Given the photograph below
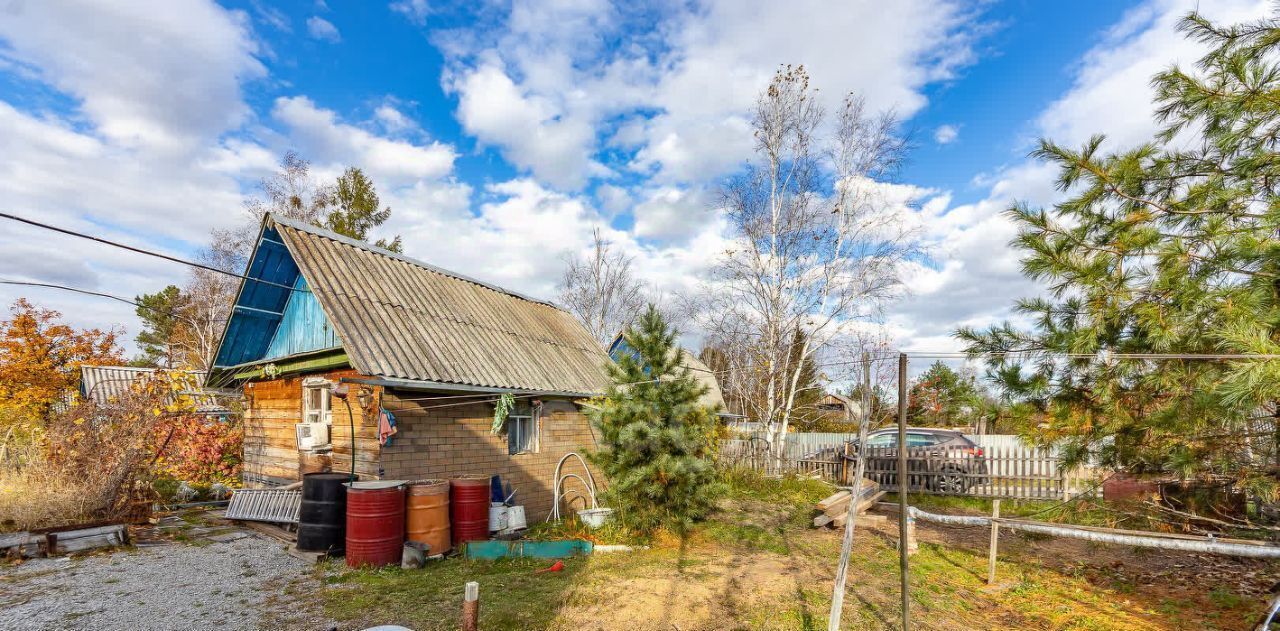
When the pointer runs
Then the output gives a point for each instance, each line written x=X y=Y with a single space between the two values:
x=497 y=516
x=515 y=518
x=595 y=517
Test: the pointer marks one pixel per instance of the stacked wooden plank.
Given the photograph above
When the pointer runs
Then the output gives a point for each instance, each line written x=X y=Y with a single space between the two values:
x=833 y=511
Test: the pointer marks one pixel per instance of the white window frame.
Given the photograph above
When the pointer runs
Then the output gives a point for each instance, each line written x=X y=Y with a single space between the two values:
x=325 y=413
x=517 y=433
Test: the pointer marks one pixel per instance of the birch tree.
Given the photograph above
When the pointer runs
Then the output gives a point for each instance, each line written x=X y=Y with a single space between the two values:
x=601 y=290
x=818 y=246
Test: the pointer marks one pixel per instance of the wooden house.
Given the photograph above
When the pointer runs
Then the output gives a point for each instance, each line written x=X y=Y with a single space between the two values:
x=328 y=331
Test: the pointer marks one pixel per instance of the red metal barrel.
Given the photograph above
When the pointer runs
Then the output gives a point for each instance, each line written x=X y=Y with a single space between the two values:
x=375 y=522
x=469 y=509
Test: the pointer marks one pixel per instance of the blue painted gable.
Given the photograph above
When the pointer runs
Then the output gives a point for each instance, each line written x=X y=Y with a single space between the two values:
x=255 y=331
x=303 y=327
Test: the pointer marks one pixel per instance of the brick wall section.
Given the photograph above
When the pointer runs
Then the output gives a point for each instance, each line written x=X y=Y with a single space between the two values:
x=447 y=442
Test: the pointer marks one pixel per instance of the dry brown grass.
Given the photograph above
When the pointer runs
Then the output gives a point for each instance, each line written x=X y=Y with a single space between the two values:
x=89 y=462
x=41 y=494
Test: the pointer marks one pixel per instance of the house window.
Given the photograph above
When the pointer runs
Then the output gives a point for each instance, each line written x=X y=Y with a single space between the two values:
x=522 y=434
x=315 y=402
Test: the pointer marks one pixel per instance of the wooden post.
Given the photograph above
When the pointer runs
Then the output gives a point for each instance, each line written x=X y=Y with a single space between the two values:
x=471 y=607
x=855 y=499
x=995 y=543
x=913 y=546
x=903 y=562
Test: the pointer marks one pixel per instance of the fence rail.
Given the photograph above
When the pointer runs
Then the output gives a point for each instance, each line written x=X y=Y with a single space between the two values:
x=1002 y=469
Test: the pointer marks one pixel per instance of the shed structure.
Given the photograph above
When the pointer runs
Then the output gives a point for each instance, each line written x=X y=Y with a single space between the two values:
x=432 y=347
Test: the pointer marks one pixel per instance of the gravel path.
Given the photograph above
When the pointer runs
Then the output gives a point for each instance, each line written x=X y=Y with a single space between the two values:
x=239 y=584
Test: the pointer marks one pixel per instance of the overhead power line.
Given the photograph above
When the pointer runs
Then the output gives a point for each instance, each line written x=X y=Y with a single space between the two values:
x=143 y=251
x=95 y=293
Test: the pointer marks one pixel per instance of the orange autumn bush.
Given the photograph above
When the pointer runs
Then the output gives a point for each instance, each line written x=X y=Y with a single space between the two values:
x=200 y=450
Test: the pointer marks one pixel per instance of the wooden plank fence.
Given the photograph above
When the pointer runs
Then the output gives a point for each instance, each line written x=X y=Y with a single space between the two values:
x=1003 y=467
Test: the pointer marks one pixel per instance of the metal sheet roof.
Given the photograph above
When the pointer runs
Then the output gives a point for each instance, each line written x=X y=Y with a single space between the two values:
x=402 y=318
x=104 y=383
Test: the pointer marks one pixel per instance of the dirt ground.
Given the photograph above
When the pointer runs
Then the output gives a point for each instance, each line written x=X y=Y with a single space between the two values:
x=192 y=573
x=1042 y=584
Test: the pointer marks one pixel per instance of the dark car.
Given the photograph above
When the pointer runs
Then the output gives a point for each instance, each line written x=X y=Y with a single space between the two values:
x=937 y=459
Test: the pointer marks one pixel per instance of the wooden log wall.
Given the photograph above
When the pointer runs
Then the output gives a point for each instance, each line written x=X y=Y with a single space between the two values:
x=274 y=406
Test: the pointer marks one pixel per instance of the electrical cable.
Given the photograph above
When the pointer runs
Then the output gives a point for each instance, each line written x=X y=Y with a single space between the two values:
x=352 y=419
x=146 y=252
x=99 y=294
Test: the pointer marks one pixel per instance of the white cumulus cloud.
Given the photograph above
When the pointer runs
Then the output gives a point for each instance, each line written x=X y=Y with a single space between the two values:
x=322 y=29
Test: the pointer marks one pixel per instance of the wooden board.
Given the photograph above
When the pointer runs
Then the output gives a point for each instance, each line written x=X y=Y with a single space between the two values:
x=88 y=539
x=835 y=499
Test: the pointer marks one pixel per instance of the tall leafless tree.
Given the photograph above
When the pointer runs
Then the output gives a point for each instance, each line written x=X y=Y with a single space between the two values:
x=818 y=247
x=601 y=289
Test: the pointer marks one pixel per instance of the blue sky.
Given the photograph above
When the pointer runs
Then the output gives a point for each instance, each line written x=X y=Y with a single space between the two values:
x=501 y=133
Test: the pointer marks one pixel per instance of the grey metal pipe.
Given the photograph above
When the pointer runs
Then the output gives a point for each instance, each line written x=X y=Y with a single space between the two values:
x=1206 y=545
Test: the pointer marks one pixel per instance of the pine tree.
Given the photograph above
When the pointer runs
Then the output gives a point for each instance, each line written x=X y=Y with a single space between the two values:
x=1168 y=247
x=942 y=397
x=657 y=437
x=356 y=209
x=159 y=313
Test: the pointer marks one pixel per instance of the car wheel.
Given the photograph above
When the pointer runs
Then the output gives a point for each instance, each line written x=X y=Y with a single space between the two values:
x=952 y=481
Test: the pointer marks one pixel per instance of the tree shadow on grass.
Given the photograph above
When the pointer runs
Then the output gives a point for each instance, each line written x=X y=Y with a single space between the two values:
x=941 y=551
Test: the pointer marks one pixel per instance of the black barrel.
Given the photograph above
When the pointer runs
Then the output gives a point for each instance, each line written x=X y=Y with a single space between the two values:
x=322 y=522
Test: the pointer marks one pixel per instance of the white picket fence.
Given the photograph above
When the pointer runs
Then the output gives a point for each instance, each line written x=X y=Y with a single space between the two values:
x=1010 y=468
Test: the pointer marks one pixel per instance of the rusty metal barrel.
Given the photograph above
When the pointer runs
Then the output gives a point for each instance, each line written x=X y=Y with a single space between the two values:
x=375 y=523
x=469 y=509
x=427 y=515
x=322 y=519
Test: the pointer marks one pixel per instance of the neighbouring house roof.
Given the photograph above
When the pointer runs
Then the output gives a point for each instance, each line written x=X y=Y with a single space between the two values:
x=835 y=402
x=104 y=383
x=713 y=397
x=402 y=319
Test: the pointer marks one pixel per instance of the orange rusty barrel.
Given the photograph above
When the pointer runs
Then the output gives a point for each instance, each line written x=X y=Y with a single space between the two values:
x=375 y=523
x=427 y=515
x=469 y=509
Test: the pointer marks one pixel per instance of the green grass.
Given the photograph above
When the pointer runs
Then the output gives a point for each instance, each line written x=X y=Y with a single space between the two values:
x=749 y=536
x=512 y=595
x=744 y=484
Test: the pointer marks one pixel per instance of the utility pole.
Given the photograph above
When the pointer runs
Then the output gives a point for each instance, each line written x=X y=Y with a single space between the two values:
x=902 y=492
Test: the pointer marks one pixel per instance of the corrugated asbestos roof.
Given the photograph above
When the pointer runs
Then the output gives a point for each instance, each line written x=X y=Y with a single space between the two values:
x=104 y=383
x=402 y=318
x=713 y=397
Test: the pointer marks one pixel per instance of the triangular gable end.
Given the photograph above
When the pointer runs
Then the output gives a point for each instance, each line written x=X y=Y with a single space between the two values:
x=269 y=321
